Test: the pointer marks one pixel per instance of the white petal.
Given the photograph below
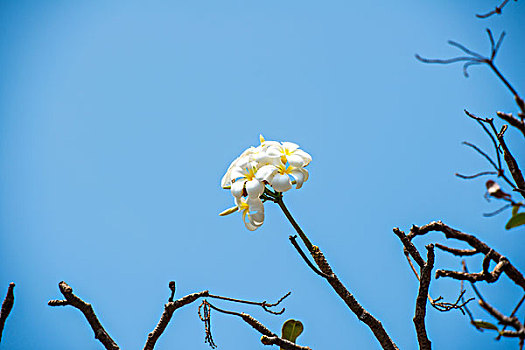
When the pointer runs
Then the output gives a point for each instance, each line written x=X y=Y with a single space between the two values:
x=305 y=156
x=281 y=183
x=226 y=179
x=254 y=188
x=255 y=204
x=266 y=173
x=295 y=160
x=298 y=175
x=290 y=146
x=305 y=173
x=274 y=151
x=249 y=225
x=238 y=173
x=267 y=144
x=256 y=218
x=238 y=188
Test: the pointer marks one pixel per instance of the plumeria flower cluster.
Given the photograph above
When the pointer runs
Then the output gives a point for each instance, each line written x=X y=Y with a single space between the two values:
x=262 y=173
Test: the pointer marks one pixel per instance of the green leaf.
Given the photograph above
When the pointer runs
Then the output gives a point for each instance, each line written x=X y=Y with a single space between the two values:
x=484 y=324
x=515 y=221
x=291 y=330
x=515 y=209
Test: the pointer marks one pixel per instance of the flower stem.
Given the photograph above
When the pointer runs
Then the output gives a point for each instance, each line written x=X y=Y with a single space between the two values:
x=295 y=225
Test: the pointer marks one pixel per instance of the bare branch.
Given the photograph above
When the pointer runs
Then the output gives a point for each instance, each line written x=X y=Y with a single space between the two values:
x=409 y=247
x=474 y=58
x=421 y=301
x=269 y=338
x=362 y=314
x=169 y=309
x=511 y=162
x=509 y=118
x=173 y=305
x=265 y=305
x=7 y=305
x=446 y=306
x=89 y=313
x=489 y=277
x=472 y=241
x=513 y=313
x=469 y=177
x=282 y=343
x=457 y=252
x=305 y=258
x=497 y=10
x=477 y=149
x=496 y=212
x=504 y=320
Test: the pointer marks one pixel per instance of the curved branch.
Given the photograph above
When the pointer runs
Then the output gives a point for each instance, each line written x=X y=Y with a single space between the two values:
x=457 y=252
x=7 y=305
x=89 y=313
x=169 y=309
x=268 y=338
x=514 y=274
x=497 y=10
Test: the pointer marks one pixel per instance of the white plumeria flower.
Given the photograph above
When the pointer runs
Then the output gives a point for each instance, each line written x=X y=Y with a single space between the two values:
x=290 y=153
x=245 y=182
x=279 y=165
x=227 y=179
x=252 y=212
x=278 y=175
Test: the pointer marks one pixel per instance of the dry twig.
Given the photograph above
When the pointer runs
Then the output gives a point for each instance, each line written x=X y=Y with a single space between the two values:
x=268 y=337
x=497 y=10
x=89 y=313
x=7 y=305
x=450 y=233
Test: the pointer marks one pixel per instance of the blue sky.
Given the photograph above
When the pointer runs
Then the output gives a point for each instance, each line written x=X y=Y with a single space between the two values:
x=118 y=120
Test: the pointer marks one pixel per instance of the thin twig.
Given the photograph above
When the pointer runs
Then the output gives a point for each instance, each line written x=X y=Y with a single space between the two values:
x=477 y=149
x=295 y=225
x=271 y=338
x=457 y=252
x=474 y=58
x=265 y=305
x=7 y=305
x=497 y=10
x=496 y=212
x=513 y=312
x=482 y=122
x=511 y=162
x=468 y=177
x=89 y=313
x=305 y=258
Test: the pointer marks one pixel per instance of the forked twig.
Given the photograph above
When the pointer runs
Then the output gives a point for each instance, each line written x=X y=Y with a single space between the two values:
x=497 y=10
x=268 y=337
x=89 y=314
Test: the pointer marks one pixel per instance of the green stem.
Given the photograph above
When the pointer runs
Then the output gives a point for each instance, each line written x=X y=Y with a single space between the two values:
x=295 y=225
